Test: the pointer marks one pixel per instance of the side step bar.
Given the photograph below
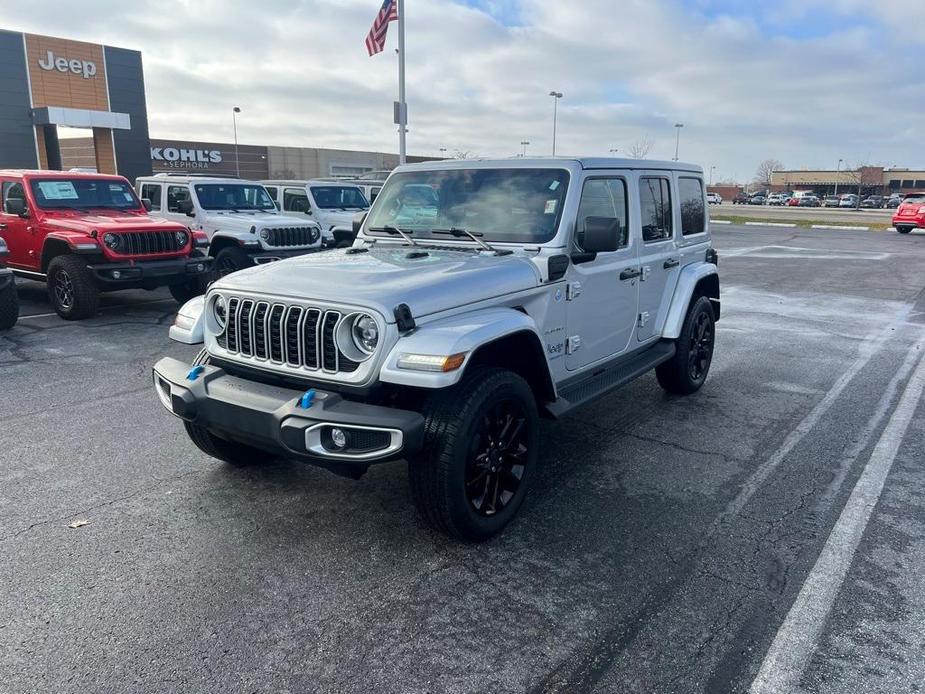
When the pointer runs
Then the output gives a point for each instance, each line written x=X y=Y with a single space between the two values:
x=609 y=377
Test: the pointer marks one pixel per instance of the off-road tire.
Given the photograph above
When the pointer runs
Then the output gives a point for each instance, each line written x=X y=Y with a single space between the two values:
x=438 y=474
x=9 y=307
x=675 y=375
x=903 y=230
x=230 y=259
x=84 y=296
x=187 y=290
x=236 y=454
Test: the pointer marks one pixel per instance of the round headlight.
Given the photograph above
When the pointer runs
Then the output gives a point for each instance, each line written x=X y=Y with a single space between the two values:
x=220 y=310
x=365 y=333
x=265 y=234
x=182 y=238
x=111 y=241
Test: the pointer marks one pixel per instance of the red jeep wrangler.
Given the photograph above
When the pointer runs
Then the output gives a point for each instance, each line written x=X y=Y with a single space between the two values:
x=9 y=304
x=87 y=233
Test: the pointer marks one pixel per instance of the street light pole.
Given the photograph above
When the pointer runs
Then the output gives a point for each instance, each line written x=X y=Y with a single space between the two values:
x=613 y=150
x=677 y=144
x=234 y=124
x=712 y=169
x=555 y=116
x=837 y=174
x=443 y=152
x=524 y=143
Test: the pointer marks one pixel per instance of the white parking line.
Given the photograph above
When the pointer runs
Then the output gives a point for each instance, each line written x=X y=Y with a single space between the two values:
x=720 y=221
x=798 y=636
x=840 y=228
x=770 y=224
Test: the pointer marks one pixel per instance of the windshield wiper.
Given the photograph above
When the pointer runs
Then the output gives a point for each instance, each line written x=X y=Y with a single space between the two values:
x=394 y=230
x=459 y=233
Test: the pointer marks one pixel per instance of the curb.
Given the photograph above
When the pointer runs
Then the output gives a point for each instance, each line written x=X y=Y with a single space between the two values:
x=847 y=228
x=770 y=224
x=720 y=221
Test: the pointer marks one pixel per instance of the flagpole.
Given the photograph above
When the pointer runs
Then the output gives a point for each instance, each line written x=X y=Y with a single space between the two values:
x=403 y=107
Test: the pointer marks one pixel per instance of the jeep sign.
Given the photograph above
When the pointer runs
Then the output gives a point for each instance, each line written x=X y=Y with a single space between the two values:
x=85 y=68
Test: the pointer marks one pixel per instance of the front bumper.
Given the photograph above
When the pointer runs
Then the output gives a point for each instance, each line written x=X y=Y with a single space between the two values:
x=273 y=419
x=149 y=273
x=261 y=256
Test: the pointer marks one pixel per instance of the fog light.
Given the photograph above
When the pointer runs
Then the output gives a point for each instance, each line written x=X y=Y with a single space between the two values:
x=339 y=438
x=116 y=275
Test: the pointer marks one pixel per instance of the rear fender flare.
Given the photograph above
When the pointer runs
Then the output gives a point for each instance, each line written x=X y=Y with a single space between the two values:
x=693 y=281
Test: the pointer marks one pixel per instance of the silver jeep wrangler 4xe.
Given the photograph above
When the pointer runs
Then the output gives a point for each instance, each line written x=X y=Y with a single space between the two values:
x=479 y=296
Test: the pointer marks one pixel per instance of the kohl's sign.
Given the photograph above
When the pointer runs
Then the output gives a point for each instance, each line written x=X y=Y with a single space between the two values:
x=183 y=158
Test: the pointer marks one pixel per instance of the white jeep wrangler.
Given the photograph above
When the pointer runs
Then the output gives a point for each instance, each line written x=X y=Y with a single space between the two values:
x=243 y=223
x=526 y=289
x=332 y=204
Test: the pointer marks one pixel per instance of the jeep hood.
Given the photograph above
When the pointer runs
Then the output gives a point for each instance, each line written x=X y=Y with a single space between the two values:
x=385 y=277
x=103 y=222
x=243 y=221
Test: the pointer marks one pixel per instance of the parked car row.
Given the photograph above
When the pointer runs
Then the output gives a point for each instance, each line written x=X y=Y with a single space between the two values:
x=807 y=198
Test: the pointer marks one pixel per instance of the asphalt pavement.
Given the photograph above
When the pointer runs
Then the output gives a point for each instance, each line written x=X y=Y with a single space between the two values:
x=765 y=534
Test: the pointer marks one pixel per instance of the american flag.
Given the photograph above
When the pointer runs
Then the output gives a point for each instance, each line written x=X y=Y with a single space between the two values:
x=375 y=40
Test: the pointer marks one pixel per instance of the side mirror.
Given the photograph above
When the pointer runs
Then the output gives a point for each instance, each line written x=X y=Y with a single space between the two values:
x=308 y=210
x=601 y=235
x=146 y=204
x=358 y=220
x=15 y=206
x=186 y=207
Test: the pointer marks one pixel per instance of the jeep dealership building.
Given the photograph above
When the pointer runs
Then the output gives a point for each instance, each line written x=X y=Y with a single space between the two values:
x=47 y=83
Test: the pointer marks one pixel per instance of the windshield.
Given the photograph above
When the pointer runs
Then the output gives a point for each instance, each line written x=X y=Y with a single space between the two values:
x=83 y=194
x=339 y=197
x=498 y=205
x=233 y=196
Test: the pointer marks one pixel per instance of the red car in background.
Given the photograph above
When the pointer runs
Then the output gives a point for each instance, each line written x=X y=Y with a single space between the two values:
x=910 y=214
x=84 y=233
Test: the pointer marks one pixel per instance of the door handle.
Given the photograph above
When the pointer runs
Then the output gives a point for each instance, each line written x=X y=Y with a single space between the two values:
x=630 y=273
x=671 y=262
x=2 y=227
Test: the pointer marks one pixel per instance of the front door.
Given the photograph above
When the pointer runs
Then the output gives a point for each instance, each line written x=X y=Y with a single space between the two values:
x=176 y=194
x=658 y=255
x=15 y=230
x=602 y=306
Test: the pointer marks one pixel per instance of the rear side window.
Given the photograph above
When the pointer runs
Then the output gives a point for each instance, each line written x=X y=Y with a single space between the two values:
x=655 y=206
x=603 y=197
x=693 y=215
x=175 y=194
x=152 y=191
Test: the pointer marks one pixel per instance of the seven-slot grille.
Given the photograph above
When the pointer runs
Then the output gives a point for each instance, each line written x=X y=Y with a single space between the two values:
x=293 y=236
x=147 y=242
x=294 y=336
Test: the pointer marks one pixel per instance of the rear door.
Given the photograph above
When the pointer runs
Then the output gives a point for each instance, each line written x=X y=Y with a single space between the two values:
x=16 y=231
x=658 y=254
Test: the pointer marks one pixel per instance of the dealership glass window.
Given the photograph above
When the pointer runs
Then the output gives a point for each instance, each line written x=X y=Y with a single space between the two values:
x=295 y=200
x=175 y=195
x=655 y=206
x=908 y=184
x=895 y=184
x=919 y=184
x=152 y=191
x=603 y=197
x=693 y=214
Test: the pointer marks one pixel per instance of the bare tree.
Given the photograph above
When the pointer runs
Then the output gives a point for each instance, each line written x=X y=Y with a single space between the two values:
x=641 y=147
x=766 y=169
x=864 y=176
x=464 y=154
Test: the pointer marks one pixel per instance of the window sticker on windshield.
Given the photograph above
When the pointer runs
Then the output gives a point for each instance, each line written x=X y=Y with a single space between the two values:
x=554 y=185
x=58 y=190
x=550 y=207
x=128 y=197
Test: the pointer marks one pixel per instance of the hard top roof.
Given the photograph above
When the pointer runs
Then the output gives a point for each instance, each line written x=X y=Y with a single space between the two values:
x=173 y=178
x=308 y=181
x=550 y=162
x=48 y=173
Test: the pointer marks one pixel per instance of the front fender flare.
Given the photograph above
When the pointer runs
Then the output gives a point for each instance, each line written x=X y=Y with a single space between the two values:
x=188 y=326
x=690 y=277
x=464 y=333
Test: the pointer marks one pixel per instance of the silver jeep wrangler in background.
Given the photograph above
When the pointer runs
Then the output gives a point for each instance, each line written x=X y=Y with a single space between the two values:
x=478 y=297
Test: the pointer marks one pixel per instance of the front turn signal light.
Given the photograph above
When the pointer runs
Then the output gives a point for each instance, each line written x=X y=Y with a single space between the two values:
x=431 y=362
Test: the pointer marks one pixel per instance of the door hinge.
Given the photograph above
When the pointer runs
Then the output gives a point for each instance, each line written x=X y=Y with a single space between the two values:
x=643 y=319
x=645 y=273
x=573 y=344
x=572 y=291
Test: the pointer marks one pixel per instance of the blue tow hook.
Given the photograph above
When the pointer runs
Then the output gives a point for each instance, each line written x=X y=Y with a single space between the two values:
x=195 y=372
x=306 y=400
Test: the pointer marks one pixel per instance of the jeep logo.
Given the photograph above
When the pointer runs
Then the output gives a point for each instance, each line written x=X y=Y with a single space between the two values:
x=85 y=68
x=174 y=154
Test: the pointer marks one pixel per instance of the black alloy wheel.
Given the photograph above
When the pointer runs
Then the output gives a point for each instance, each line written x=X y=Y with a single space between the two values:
x=498 y=456
x=64 y=290
x=701 y=349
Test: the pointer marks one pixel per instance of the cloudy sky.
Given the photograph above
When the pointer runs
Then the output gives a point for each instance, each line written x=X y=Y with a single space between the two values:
x=803 y=81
